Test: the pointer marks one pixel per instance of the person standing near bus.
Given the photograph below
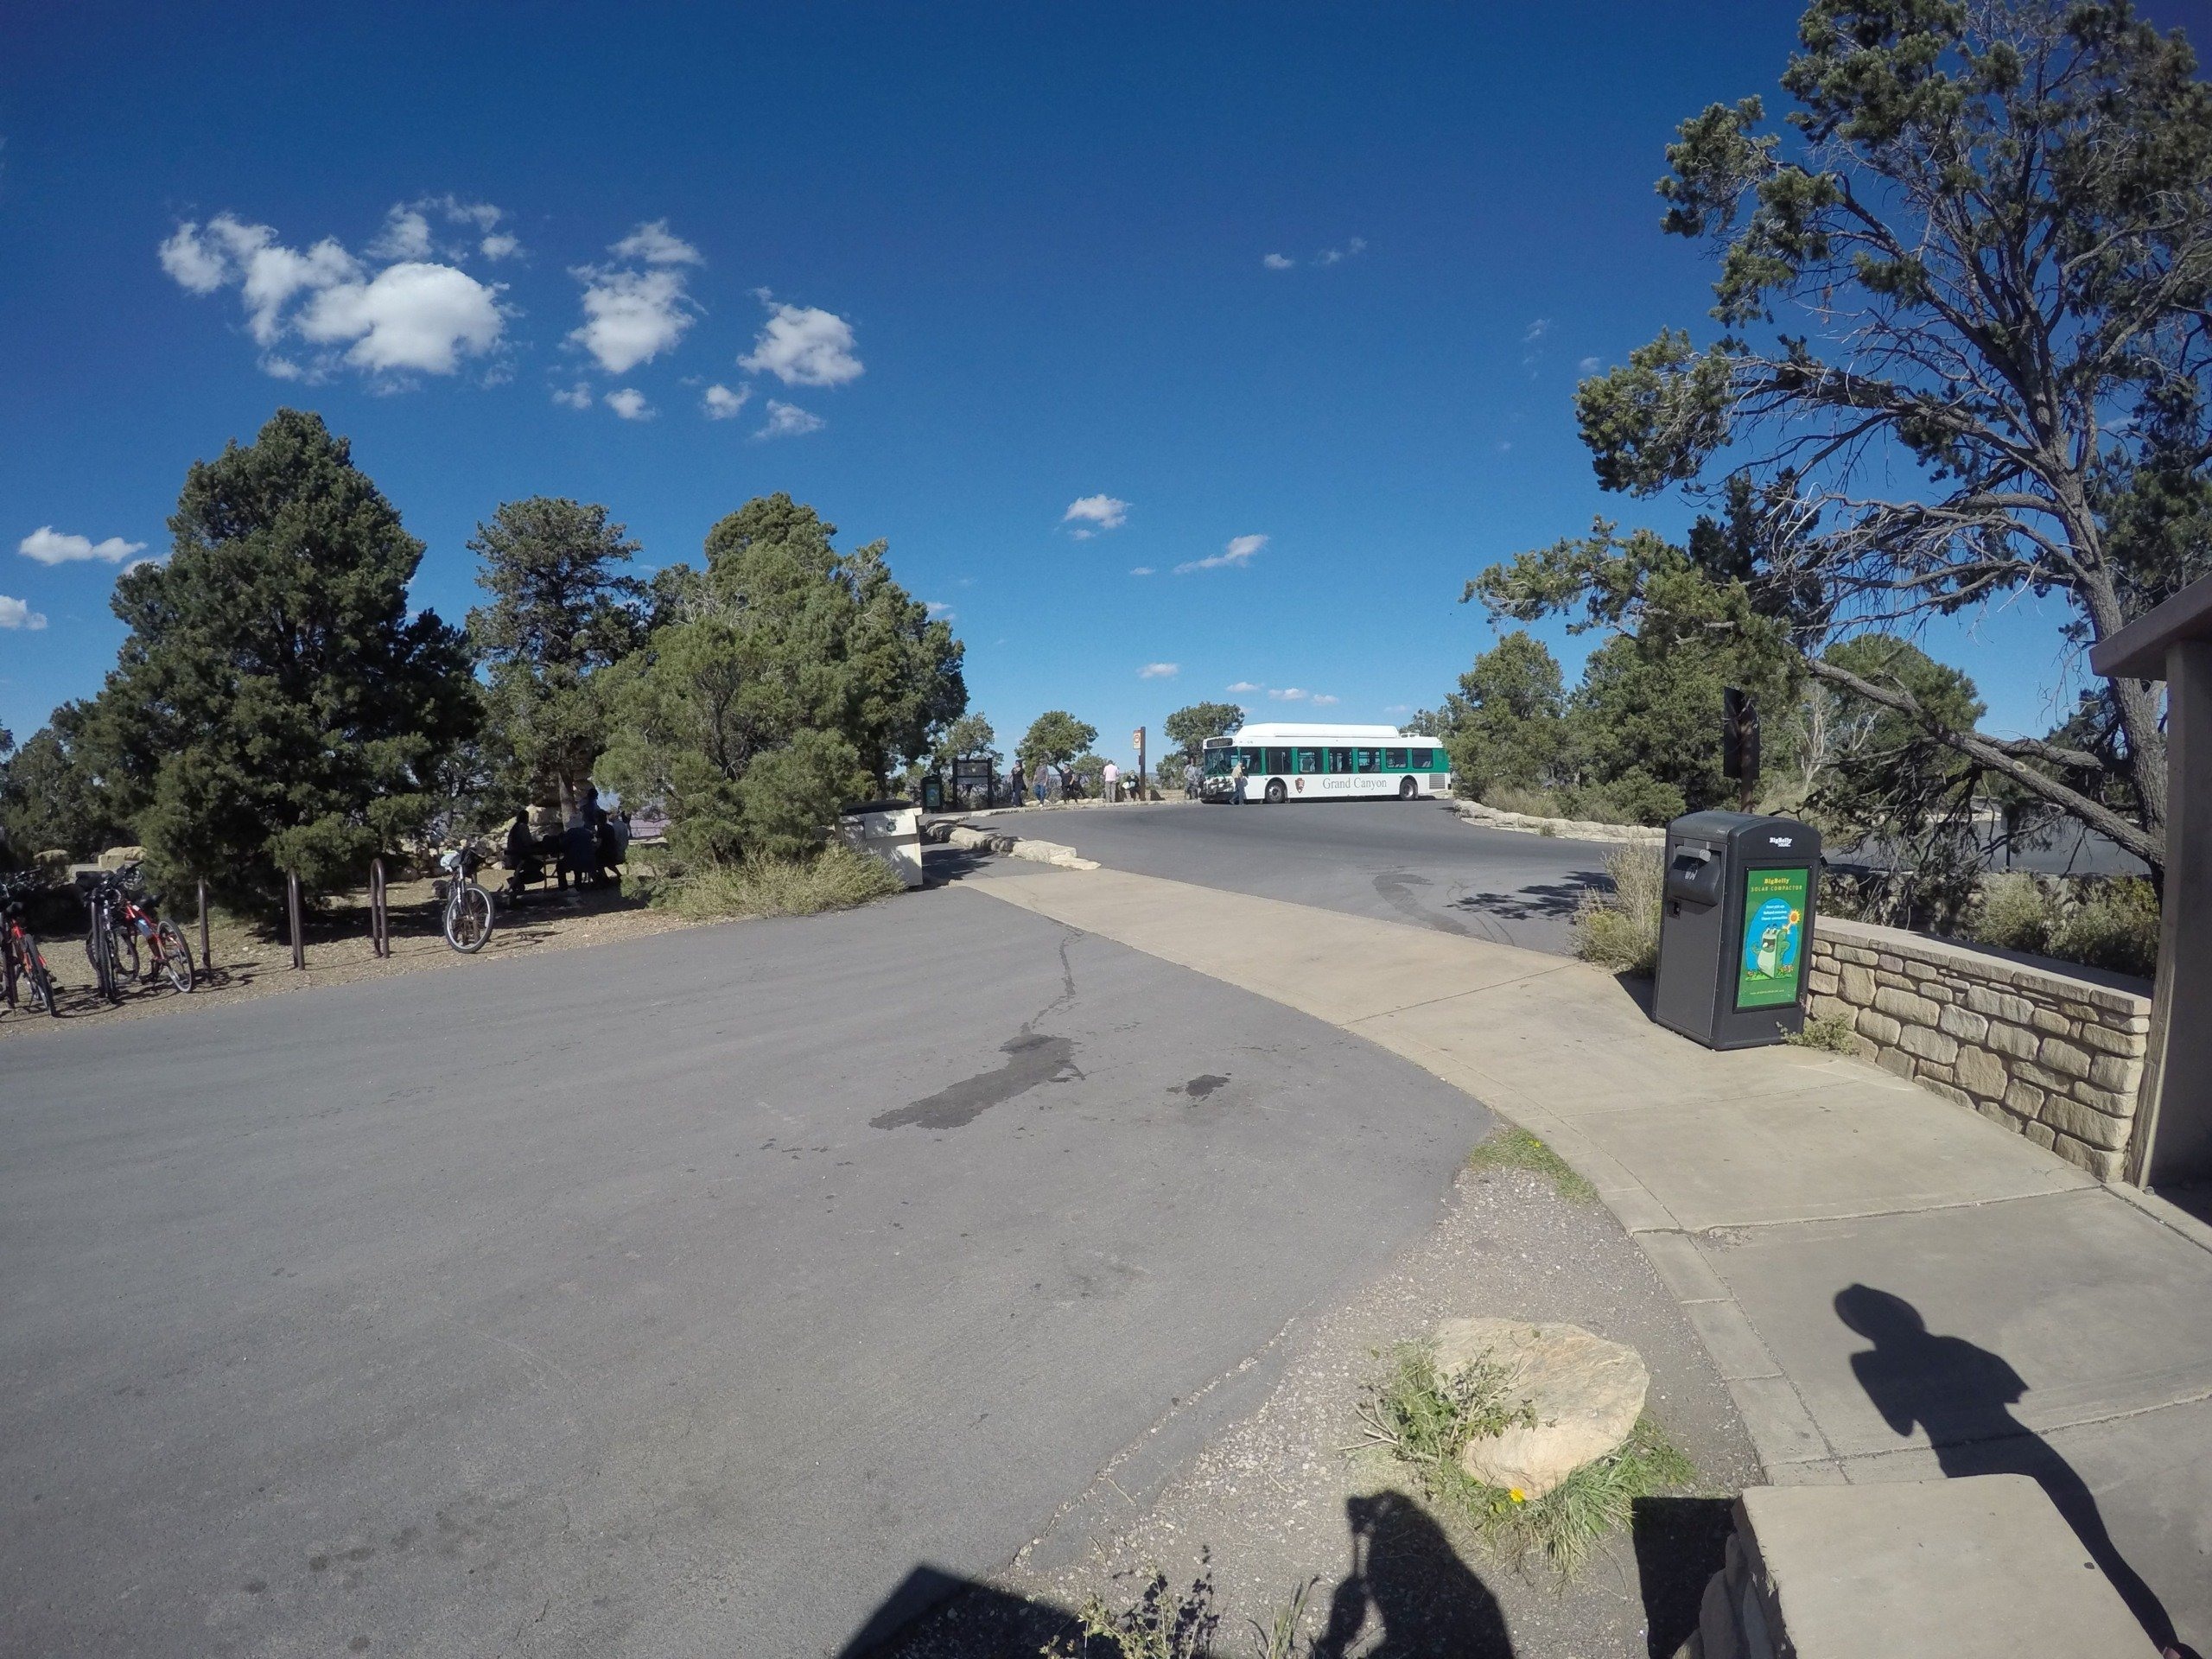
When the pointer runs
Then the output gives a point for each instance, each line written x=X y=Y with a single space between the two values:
x=1111 y=779
x=1236 y=778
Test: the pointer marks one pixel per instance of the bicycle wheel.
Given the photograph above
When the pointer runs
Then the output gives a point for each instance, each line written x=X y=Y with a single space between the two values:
x=42 y=982
x=468 y=918
x=174 y=954
x=99 y=946
x=124 y=941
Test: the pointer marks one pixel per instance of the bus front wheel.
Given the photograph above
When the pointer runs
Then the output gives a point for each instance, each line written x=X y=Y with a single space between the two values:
x=1275 y=792
x=1408 y=790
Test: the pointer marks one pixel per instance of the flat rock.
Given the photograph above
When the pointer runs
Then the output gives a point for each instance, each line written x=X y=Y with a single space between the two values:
x=1587 y=1392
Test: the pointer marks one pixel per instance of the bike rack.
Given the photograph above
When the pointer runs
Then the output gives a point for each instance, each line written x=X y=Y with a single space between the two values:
x=292 y=910
x=379 y=920
x=207 y=962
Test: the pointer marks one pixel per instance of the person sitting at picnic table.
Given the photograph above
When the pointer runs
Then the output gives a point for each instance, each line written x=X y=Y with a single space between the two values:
x=521 y=857
x=614 y=847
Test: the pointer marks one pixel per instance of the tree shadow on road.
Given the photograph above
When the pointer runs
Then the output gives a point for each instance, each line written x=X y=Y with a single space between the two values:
x=1963 y=1395
x=1539 y=901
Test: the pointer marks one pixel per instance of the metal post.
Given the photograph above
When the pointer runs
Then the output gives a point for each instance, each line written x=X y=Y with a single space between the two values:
x=292 y=909
x=379 y=930
x=206 y=962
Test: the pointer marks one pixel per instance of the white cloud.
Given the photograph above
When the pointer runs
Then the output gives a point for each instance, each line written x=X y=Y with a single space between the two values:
x=1141 y=570
x=413 y=316
x=631 y=316
x=1240 y=686
x=50 y=546
x=629 y=403
x=1277 y=262
x=499 y=246
x=406 y=235
x=1236 y=556
x=656 y=246
x=786 y=421
x=721 y=403
x=1535 y=331
x=938 y=610
x=1590 y=365
x=1159 y=670
x=409 y=317
x=1288 y=693
x=1322 y=700
x=1103 y=512
x=1351 y=249
x=18 y=614
x=576 y=397
x=804 y=345
x=196 y=266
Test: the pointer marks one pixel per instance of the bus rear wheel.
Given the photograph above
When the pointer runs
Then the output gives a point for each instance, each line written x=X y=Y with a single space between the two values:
x=1408 y=790
x=1275 y=792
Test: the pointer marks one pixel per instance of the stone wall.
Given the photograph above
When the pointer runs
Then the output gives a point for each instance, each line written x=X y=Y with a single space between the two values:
x=2053 y=1052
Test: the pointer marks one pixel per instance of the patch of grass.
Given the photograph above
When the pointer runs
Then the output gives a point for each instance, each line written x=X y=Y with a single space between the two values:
x=1425 y=1418
x=1515 y=1149
x=1618 y=927
x=837 y=878
x=1832 y=1032
x=1566 y=1523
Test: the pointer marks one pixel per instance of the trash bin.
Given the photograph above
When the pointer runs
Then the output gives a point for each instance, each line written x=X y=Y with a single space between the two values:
x=1735 y=927
x=889 y=830
x=932 y=794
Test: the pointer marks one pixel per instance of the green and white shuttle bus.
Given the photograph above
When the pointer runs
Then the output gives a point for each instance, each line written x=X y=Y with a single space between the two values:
x=1283 y=762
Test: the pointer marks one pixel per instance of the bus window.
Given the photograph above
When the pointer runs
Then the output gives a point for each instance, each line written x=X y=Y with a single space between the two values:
x=1307 y=759
x=1278 y=760
x=1254 y=759
x=1366 y=761
x=1393 y=759
x=1217 y=763
x=1339 y=759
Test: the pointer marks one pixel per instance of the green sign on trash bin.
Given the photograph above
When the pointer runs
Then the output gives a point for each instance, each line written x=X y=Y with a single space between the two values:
x=1774 y=938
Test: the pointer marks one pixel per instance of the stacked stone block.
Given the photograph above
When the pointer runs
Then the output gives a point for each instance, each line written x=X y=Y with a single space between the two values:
x=2053 y=1056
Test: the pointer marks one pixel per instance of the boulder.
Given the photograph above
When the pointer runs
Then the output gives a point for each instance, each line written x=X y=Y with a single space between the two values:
x=1587 y=1393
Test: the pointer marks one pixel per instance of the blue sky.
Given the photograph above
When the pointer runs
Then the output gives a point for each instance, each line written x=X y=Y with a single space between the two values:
x=1320 y=274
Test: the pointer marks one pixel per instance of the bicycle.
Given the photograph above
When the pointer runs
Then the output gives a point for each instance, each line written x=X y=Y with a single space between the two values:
x=166 y=939
x=467 y=916
x=105 y=938
x=19 y=953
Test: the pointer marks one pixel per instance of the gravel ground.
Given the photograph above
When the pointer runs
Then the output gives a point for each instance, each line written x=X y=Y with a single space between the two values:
x=1275 y=1502
x=250 y=963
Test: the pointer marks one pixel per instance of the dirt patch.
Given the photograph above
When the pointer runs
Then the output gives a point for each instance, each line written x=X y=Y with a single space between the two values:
x=1275 y=1502
x=251 y=961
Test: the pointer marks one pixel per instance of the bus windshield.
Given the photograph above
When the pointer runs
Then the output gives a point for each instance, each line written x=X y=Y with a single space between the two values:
x=1220 y=762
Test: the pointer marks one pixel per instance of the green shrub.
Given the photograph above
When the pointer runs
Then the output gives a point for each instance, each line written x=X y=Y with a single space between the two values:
x=837 y=878
x=2015 y=913
x=1832 y=1032
x=1618 y=928
x=2115 y=926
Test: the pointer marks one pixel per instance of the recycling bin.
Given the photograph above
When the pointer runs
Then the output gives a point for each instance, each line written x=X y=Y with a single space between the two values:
x=1736 y=927
x=889 y=831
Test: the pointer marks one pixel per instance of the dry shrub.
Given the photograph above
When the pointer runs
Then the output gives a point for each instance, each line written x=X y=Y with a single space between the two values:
x=837 y=878
x=1618 y=927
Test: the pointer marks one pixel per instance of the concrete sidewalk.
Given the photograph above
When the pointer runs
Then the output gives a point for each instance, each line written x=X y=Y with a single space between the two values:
x=1894 y=1288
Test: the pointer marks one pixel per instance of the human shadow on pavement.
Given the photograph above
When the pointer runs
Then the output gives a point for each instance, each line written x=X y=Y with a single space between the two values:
x=1963 y=1395
x=1407 y=1595
x=1406 y=1579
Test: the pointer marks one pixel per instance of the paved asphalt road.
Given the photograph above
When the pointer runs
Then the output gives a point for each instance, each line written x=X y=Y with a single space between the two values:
x=1402 y=860
x=672 y=1296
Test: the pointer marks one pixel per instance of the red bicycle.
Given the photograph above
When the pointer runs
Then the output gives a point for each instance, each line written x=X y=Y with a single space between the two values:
x=122 y=915
x=19 y=954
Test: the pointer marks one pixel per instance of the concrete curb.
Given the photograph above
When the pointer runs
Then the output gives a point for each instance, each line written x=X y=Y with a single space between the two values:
x=1028 y=847
x=1630 y=834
